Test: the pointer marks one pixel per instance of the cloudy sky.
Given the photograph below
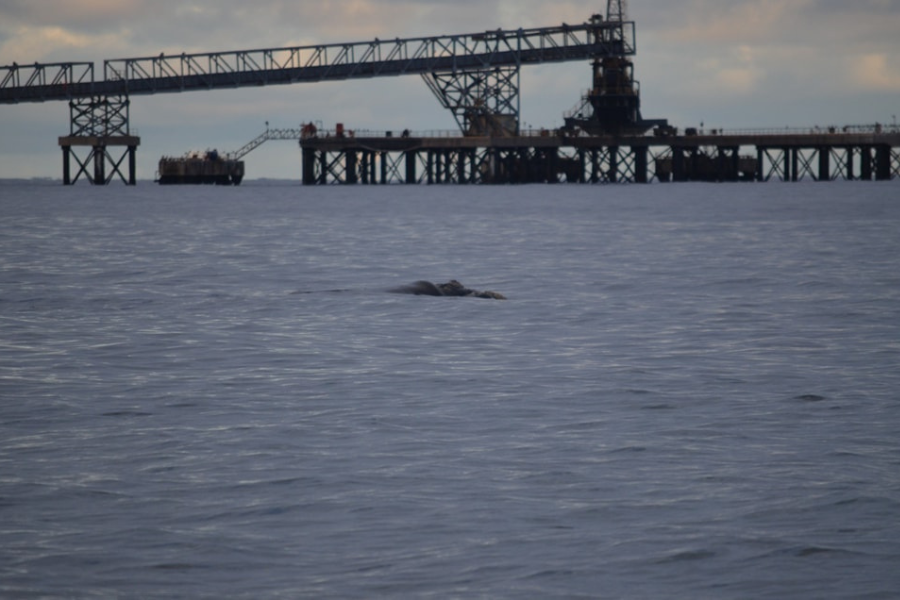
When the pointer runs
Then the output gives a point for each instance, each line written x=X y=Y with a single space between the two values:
x=726 y=63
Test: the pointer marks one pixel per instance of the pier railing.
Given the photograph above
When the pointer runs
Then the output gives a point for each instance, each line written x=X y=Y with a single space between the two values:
x=835 y=130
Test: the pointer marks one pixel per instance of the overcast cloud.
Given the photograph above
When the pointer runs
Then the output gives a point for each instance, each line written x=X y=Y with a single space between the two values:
x=728 y=63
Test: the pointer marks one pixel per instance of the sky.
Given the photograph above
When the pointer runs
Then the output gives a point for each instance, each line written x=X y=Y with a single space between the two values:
x=732 y=64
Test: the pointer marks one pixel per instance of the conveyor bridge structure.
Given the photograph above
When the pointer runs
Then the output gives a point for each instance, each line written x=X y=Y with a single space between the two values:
x=475 y=75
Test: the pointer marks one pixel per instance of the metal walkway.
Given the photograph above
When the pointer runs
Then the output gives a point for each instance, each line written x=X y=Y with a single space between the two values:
x=253 y=68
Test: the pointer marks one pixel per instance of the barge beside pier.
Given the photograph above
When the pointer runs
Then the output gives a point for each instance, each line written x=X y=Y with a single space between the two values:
x=197 y=168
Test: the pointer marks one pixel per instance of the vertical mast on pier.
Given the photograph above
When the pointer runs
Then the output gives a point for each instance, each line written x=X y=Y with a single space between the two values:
x=613 y=104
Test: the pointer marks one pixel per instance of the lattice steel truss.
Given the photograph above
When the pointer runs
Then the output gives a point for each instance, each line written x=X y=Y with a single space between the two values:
x=99 y=123
x=484 y=102
x=326 y=62
x=100 y=116
x=39 y=82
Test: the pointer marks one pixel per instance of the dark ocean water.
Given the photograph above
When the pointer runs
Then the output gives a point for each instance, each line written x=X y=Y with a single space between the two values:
x=693 y=391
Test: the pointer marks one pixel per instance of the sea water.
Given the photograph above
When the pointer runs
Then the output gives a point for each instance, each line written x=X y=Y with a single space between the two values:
x=692 y=391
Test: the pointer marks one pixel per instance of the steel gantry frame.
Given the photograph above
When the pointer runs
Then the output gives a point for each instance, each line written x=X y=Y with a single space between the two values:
x=378 y=58
x=99 y=124
x=40 y=82
x=475 y=76
x=328 y=62
x=483 y=101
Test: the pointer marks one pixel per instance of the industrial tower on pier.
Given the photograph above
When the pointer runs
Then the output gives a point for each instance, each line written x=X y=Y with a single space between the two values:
x=613 y=104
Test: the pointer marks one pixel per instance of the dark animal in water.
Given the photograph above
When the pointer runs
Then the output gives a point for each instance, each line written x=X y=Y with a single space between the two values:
x=451 y=288
x=809 y=398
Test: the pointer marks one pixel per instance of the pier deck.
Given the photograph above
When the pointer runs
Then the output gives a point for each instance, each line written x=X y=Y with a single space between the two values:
x=552 y=157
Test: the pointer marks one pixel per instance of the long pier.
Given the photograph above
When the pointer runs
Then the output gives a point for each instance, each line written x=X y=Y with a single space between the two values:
x=476 y=77
x=544 y=156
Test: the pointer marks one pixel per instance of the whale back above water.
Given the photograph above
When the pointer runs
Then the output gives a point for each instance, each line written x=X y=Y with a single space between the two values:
x=451 y=288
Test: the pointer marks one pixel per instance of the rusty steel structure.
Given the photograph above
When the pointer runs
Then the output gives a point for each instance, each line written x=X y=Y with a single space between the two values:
x=476 y=76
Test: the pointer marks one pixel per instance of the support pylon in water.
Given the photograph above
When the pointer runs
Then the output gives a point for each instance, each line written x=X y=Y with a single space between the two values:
x=99 y=124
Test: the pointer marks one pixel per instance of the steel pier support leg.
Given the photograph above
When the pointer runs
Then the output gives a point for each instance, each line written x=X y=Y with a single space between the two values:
x=581 y=172
x=410 y=166
x=498 y=166
x=678 y=170
x=99 y=154
x=132 y=165
x=720 y=164
x=883 y=163
x=865 y=163
x=323 y=167
x=613 y=164
x=790 y=163
x=350 y=174
x=308 y=167
x=640 y=163
x=364 y=167
x=824 y=163
x=850 y=153
x=67 y=156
